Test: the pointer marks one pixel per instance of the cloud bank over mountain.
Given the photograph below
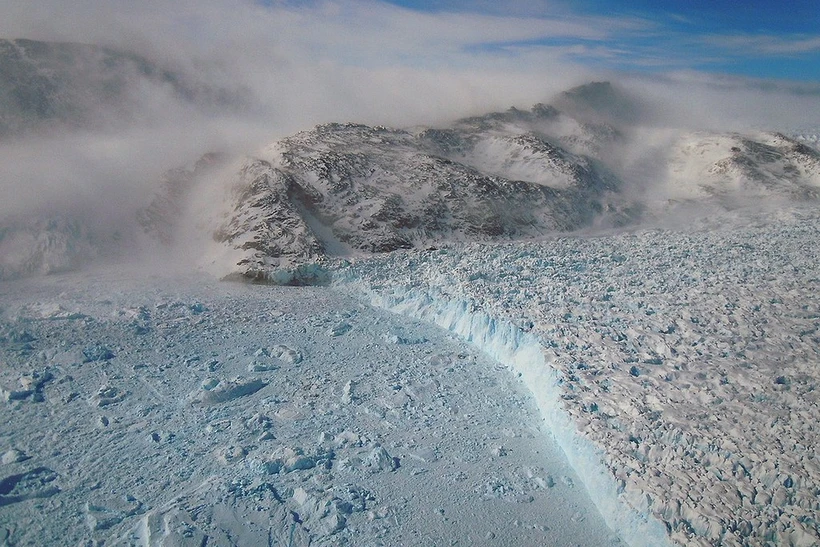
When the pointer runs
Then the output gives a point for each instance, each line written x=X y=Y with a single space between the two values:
x=311 y=62
x=167 y=81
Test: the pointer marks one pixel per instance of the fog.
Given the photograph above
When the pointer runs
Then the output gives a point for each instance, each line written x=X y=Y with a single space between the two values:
x=288 y=66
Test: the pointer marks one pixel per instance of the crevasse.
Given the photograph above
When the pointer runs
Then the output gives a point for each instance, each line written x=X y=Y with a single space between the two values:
x=523 y=354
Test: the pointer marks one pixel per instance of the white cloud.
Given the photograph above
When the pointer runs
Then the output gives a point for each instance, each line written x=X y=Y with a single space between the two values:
x=333 y=61
x=767 y=45
x=325 y=57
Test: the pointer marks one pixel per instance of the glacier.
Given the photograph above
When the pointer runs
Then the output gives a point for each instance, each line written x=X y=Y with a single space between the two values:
x=594 y=329
x=180 y=410
x=676 y=367
x=523 y=354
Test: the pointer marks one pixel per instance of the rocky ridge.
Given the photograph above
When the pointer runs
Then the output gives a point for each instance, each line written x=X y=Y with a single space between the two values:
x=350 y=189
x=756 y=165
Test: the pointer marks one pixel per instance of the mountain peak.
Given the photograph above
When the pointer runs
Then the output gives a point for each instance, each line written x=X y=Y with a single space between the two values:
x=601 y=102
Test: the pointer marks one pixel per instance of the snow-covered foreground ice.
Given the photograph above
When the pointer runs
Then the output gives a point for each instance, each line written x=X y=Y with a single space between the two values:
x=186 y=411
x=678 y=369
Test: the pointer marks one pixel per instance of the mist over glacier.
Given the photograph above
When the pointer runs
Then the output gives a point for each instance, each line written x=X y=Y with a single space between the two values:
x=287 y=67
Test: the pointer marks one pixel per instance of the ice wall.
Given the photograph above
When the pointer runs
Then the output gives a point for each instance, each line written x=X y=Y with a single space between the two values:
x=523 y=354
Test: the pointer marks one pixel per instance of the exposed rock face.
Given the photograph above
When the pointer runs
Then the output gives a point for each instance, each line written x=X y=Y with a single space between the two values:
x=266 y=224
x=748 y=166
x=351 y=189
x=773 y=163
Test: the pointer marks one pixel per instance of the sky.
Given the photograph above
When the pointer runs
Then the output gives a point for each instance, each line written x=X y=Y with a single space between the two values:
x=755 y=38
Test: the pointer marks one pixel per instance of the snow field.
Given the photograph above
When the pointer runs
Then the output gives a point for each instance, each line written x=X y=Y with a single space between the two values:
x=688 y=360
x=185 y=411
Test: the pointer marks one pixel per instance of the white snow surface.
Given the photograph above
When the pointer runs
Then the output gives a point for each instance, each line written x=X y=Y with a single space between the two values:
x=675 y=371
x=677 y=368
x=184 y=411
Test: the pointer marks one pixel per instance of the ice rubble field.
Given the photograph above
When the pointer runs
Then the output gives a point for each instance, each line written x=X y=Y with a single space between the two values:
x=675 y=372
x=185 y=411
x=678 y=369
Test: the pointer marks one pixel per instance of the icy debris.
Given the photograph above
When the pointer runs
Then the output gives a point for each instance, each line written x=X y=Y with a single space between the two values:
x=328 y=511
x=299 y=462
x=424 y=454
x=320 y=513
x=300 y=496
x=13 y=455
x=516 y=485
x=99 y=518
x=262 y=366
x=20 y=336
x=172 y=526
x=339 y=328
x=379 y=513
x=259 y=422
x=210 y=383
x=347 y=438
x=231 y=453
x=162 y=437
x=10 y=395
x=399 y=337
x=97 y=352
x=108 y=395
x=102 y=517
x=268 y=359
x=684 y=383
x=34 y=381
x=380 y=460
x=287 y=354
x=347 y=392
x=219 y=426
x=48 y=311
x=499 y=451
x=36 y=483
x=223 y=392
x=289 y=460
x=21 y=341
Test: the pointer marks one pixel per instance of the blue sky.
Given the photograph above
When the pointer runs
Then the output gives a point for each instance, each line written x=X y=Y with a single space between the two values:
x=760 y=39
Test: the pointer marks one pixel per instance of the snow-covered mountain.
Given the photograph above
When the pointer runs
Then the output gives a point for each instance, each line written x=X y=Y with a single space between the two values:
x=762 y=164
x=350 y=189
x=592 y=159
